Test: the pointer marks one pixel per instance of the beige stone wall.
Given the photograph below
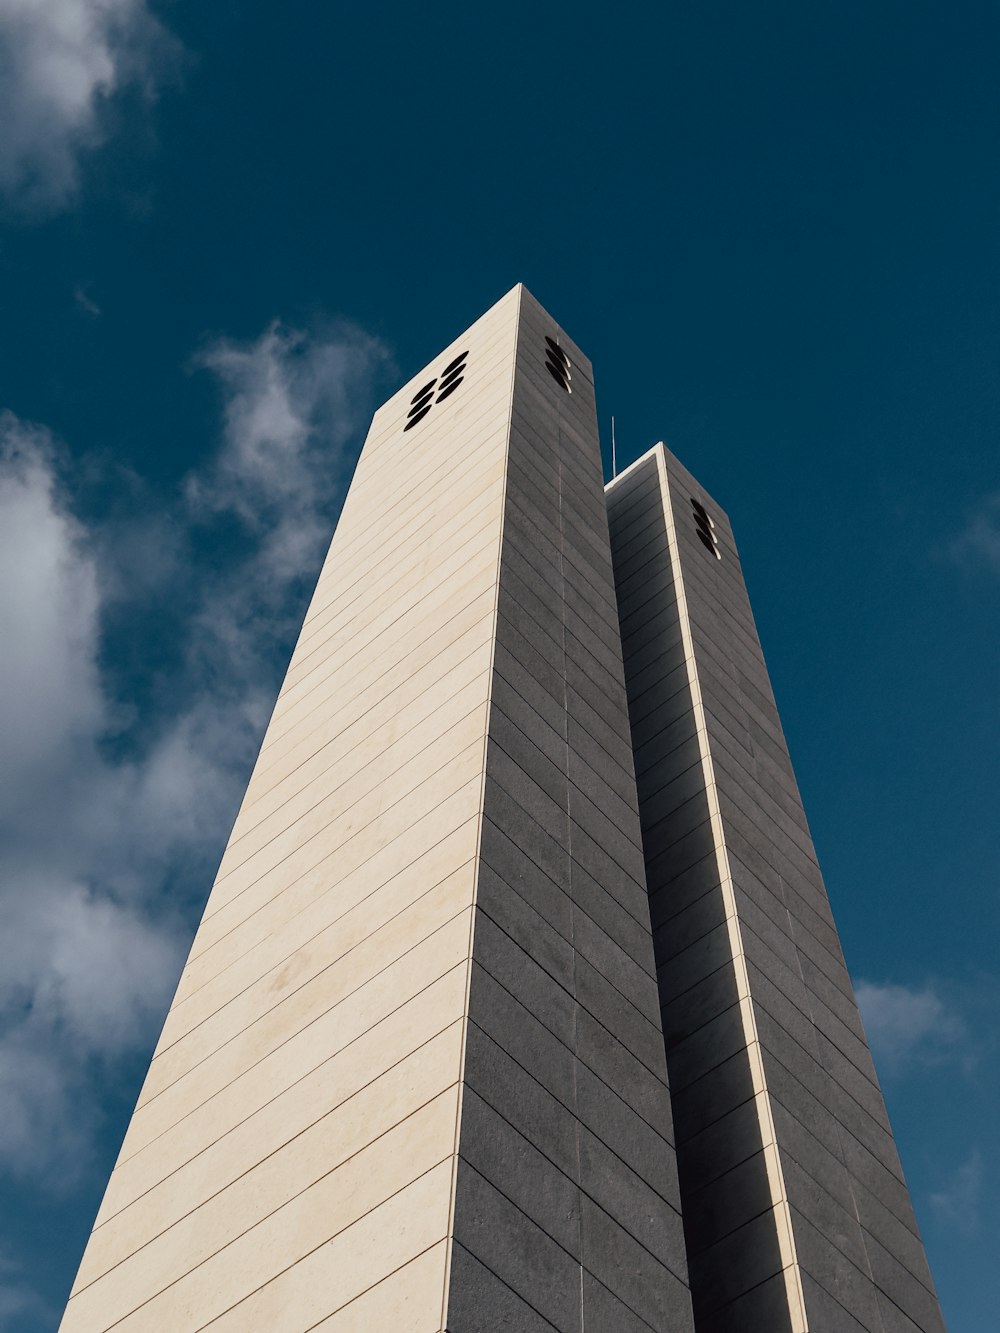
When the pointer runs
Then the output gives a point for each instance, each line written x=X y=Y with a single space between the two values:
x=291 y=1159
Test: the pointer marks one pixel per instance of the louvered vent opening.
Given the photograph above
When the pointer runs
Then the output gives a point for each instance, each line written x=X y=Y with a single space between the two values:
x=706 y=528
x=557 y=364
x=436 y=390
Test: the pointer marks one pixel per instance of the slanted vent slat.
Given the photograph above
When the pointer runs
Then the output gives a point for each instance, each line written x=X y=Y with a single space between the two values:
x=706 y=528
x=557 y=364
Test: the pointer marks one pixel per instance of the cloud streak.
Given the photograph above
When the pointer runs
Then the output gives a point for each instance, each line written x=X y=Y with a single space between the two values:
x=910 y=1027
x=977 y=546
x=958 y=1203
x=17 y=1298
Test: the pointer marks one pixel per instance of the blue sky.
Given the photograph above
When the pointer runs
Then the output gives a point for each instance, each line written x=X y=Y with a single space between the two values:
x=227 y=231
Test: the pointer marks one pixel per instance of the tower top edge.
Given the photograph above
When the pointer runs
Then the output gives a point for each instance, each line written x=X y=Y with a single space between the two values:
x=676 y=474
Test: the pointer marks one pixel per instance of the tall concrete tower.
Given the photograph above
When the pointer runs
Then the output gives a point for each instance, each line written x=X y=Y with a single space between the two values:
x=796 y=1214
x=413 y=1076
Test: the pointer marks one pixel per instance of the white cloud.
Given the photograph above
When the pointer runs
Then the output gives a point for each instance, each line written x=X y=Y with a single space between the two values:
x=83 y=960
x=86 y=303
x=89 y=939
x=290 y=399
x=61 y=62
x=18 y=1299
x=48 y=613
x=291 y=403
x=111 y=820
x=977 y=546
x=958 y=1203
x=909 y=1027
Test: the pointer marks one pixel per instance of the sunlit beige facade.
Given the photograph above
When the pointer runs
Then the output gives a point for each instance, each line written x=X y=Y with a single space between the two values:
x=332 y=1133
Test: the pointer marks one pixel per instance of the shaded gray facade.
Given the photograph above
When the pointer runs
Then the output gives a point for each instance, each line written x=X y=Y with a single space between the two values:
x=567 y=1211
x=796 y=1212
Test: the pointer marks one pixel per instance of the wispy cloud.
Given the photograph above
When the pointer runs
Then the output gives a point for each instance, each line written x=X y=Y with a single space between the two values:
x=18 y=1301
x=62 y=63
x=86 y=303
x=910 y=1027
x=110 y=819
x=290 y=404
x=977 y=546
x=958 y=1202
x=86 y=961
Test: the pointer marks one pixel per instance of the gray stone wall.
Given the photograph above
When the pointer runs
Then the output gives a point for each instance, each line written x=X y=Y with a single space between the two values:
x=795 y=1209
x=567 y=1205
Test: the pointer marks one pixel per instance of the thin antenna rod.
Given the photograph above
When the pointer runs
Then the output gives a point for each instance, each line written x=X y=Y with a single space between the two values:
x=614 y=452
